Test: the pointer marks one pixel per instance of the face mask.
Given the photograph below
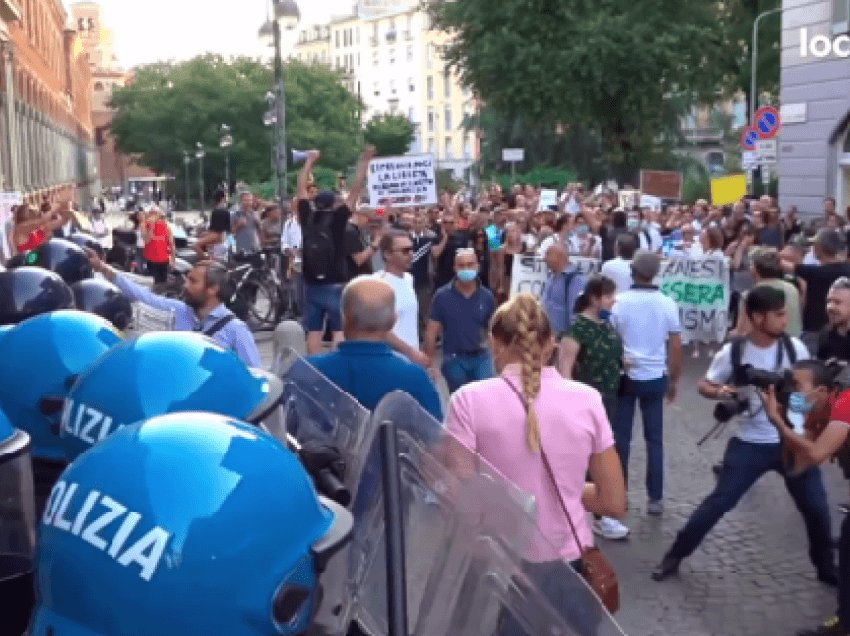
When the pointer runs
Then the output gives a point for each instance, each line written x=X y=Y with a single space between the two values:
x=633 y=223
x=604 y=314
x=582 y=229
x=467 y=275
x=799 y=403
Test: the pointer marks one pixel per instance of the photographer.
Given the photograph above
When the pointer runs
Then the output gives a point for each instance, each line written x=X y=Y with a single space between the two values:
x=756 y=448
x=827 y=426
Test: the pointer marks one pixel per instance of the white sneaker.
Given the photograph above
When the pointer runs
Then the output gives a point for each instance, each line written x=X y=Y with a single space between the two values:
x=609 y=528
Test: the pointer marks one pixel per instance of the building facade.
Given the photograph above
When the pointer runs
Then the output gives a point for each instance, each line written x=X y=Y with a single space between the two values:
x=814 y=146
x=390 y=56
x=46 y=137
x=118 y=173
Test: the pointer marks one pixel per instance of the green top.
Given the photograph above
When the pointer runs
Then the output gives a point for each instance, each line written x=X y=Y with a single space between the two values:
x=599 y=356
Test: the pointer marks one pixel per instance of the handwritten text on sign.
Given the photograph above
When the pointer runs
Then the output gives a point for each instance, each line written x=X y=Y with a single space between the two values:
x=402 y=181
x=700 y=287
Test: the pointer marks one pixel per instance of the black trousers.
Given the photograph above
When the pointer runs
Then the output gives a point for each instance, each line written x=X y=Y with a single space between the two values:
x=159 y=271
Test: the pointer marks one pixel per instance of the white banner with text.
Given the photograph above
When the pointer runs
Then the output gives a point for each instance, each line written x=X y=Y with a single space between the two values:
x=402 y=181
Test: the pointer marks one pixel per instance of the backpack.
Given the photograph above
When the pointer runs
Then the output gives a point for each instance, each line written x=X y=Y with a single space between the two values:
x=318 y=252
x=609 y=245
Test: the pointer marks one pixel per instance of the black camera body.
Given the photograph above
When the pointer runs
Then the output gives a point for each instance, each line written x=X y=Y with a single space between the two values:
x=747 y=375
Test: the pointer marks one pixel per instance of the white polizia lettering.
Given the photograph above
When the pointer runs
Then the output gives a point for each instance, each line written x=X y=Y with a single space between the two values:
x=86 y=423
x=96 y=515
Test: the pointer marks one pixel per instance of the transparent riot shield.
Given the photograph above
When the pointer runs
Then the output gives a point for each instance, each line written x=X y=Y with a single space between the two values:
x=467 y=533
x=17 y=530
x=316 y=410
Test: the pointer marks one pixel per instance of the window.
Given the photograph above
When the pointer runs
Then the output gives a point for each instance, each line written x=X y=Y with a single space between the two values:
x=392 y=87
x=449 y=150
x=98 y=86
x=392 y=56
x=358 y=35
x=432 y=147
x=344 y=38
x=410 y=85
x=430 y=56
x=409 y=25
x=410 y=53
x=337 y=39
x=840 y=16
x=375 y=29
x=377 y=89
x=337 y=61
x=411 y=114
x=430 y=87
x=448 y=118
x=374 y=58
x=358 y=59
x=447 y=85
x=431 y=119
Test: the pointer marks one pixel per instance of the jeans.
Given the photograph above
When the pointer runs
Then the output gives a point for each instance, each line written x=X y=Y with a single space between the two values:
x=743 y=464
x=650 y=394
x=844 y=571
x=460 y=370
x=322 y=302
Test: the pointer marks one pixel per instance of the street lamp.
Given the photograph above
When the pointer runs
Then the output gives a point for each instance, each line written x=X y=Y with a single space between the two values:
x=753 y=85
x=187 y=160
x=226 y=142
x=200 y=155
x=287 y=16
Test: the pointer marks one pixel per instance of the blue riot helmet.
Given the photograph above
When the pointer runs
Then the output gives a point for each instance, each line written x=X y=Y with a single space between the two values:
x=87 y=240
x=57 y=255
x=39 y=360
x=29 y=291
x=101 y=297
x=17 y=527
x=189 y=523
x=166 y=372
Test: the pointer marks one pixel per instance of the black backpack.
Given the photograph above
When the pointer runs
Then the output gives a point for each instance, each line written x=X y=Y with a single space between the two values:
x=318 y=252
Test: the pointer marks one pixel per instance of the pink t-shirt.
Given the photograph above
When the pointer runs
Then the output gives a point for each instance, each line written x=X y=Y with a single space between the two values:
x=489 y=418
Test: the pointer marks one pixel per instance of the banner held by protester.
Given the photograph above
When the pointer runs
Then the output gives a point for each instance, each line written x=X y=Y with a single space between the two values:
x=402 y=181
x=700 y=287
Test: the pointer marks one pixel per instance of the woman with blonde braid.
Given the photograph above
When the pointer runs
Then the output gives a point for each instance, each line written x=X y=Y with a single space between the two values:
x=530 y=414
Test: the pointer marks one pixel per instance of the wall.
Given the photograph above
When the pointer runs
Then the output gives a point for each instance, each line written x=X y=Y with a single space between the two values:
x=808 y=168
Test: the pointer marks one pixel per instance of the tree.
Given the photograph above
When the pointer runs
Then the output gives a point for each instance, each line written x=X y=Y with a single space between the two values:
x=604 y=66
x=169 y=108
x=390 y=134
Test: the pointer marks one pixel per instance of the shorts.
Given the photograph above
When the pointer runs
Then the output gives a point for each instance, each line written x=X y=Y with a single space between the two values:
x=320 y=302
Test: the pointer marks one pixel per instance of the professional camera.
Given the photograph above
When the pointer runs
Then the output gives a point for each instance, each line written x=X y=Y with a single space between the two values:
x=747 y=375
x=726 y=409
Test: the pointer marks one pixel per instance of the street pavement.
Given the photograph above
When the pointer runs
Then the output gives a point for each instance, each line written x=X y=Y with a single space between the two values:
x=751 y=576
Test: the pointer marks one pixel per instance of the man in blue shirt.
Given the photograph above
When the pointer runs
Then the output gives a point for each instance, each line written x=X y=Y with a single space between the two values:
x=461 y=310
x=365 y=365
x=561 y=289
x=203 y=311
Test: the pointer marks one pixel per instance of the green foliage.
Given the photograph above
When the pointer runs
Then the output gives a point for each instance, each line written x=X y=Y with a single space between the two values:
x=445 y=181
x=390 y=134
x=696 y=188
x=170 y=107
x=605 y=67
x=548 y=177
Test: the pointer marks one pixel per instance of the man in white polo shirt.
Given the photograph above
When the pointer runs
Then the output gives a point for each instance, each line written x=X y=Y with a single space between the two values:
x=620 y=269
x=647 y=321
x=397 y=249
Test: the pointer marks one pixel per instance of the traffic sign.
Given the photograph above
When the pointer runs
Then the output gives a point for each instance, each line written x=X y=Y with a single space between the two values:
x=749 y=137
x=766 y=151
x=513 y=154
x=766 y=122
x=749 y=160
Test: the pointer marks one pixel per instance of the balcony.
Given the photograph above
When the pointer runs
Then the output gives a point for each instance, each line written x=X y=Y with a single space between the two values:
x=10 y=10
x=702 y=135
x=408 y=35
x=391 y=36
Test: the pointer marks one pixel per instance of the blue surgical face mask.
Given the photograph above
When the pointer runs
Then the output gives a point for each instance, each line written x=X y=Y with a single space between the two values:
x=467 y=275
x=604 y=314
x=582 y=229
x=633 y=223
x=799 y=403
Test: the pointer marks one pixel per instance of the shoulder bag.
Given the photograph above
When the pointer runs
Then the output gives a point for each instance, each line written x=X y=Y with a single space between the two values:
x=596 y=568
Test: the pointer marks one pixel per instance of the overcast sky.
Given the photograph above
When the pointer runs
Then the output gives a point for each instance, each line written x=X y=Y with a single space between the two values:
x=181 y=29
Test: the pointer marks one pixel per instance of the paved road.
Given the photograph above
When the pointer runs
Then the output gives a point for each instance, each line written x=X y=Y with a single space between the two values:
x=752 y=575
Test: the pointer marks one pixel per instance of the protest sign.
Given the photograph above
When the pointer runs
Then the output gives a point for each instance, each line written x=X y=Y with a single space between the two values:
x=547 y=198
x=662 y=184
x=8 y=200
x=728 y=189
x=699 y=286
x=629 y=199
x=402 y=181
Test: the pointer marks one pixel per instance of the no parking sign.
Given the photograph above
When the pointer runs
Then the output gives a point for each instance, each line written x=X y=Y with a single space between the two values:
x=766 y=122
x=749 y=138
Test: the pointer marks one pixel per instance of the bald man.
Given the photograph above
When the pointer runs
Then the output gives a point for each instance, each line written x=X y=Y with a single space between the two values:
x=561 y=289
x=365 y=365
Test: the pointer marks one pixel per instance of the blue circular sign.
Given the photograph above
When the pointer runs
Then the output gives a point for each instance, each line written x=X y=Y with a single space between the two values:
x=767 y=122
x=749 y=139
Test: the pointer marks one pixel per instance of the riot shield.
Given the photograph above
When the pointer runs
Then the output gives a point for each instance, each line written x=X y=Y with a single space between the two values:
x=467 y=531
x=316 y=410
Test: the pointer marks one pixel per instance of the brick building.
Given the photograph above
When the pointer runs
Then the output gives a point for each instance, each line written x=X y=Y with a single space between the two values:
x=118 y=173
x=46 y=135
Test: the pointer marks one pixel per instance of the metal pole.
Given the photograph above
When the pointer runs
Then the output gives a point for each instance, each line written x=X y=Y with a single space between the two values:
x=227 y=171
x=754 y=71
x=280 y=127
x=186 y=161
x=394 y=527
x=201 y=180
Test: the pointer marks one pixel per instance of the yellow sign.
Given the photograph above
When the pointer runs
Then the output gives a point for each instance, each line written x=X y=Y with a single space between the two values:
x=728 y=189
